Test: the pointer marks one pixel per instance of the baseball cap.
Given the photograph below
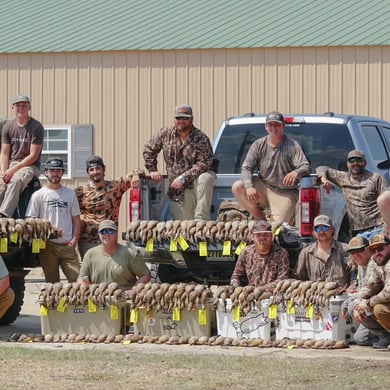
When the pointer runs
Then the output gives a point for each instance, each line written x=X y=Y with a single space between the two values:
x=54 y=163
x=378 y=240
x=107 y=224
x=261 y=226
x=274 y=116
x=183 y=110
x=94 y=161
x=357 y=242
x=322 y=220
x=20 y=98
x=355 y=153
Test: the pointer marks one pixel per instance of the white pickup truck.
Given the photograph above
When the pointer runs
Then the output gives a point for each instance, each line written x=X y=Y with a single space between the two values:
x=326 y=140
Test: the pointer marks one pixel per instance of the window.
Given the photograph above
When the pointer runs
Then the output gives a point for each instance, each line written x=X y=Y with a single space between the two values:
x=71 y=143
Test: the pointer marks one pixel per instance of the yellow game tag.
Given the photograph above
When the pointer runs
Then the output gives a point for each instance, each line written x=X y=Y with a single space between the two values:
x=42 y=244
x=183 y=243
x=240 y=248
x=236 y=313
x=35 y=246
x=4 y=245
x=14 y=237
x=176 y=314
x=127 y=342
x=149 y=245
x=273 y=312
x=61 y=305
x=202 y=317
x=114 y=312
x=92 y=308
x=203 y=249
x=134 y=315
x=44 y=311
x=310 y=311
x=173 y=246
x=290 y=307
x=227 y=248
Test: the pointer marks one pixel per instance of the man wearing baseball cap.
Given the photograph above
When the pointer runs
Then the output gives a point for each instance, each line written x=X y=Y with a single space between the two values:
x=100 y=199
x=263 y=262
x=375 y=292
x=112 y=262
x=325 y=259
x=361 y=189
x=59 y=205
x=188 y=157
x=270 y=173
x=21 y=146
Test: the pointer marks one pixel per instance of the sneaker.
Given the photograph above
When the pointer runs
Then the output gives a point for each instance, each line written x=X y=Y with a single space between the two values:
x=382 y=343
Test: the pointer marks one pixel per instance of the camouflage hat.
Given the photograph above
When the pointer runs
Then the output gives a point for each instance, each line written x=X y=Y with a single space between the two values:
x=274 y=116
x=322 y=220
x=262 y=226
x=379 y=240
x=107 y=224
x=357 y=242
x=20 y=98
x=94 y=161
x=183 y=110
x=356 y=153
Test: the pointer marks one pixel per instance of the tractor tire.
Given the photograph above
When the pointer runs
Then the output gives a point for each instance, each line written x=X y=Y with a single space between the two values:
x=18 y=285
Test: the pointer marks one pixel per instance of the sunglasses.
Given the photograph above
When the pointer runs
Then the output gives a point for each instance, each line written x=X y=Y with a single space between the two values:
x=353 y=251
x=182 y=118
x=107 y=231
x=323 y=228
x=377 y=249
x=355 y=160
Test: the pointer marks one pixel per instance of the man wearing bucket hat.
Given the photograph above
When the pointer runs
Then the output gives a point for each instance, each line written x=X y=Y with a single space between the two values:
x=270 y=173
x=325 y=259
x=369 y=330
x=361 y=189
x=375 y=292
x=262 y=263
x=21 y=146
x=188 y=156
x=60 y=206
x=112 y=262
x=100 y=199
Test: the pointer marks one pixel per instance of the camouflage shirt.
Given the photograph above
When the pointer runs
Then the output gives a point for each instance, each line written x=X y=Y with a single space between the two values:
x=360 y=194
x=259 y=270
x=100 y=203
x=189 y=158
x=376 y=282
x=311 y=266
x=273 y=164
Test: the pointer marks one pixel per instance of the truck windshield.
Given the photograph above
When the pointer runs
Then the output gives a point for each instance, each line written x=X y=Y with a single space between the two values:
x=323 y=144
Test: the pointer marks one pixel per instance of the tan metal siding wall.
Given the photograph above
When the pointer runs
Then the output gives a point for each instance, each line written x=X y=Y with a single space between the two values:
x=128 y=96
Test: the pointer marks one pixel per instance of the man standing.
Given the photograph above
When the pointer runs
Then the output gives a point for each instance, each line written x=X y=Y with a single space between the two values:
x=112 y=262
x=280 y=163
x=361 y=189
x=21 y=146
x=100 y=199
x=325 y=259
x=7 y=295
x=262 y=263
x=188 y=157
x=375 y=292
x=59 y=205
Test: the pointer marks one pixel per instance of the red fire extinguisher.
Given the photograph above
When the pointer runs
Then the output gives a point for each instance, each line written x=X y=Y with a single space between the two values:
x=135 y=205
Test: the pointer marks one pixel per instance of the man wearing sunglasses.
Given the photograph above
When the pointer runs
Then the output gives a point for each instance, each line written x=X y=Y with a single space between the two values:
x=369 y=330
x=326 y=258
x=361 y=189
x=375 y=292
x=112 y=262
x=188 y=157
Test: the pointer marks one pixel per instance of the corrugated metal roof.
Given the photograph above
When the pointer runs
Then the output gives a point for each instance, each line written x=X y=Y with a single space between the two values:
x=110 y=25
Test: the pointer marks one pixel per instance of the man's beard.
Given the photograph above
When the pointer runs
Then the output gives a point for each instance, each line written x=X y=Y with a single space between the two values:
x=263 y=247
x=383 y=261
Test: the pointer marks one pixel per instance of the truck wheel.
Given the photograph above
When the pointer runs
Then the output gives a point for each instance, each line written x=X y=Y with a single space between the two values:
x=17 y=284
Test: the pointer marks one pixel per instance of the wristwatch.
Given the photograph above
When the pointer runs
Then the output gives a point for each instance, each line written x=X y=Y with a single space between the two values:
x=368 y=302
x=182 y=180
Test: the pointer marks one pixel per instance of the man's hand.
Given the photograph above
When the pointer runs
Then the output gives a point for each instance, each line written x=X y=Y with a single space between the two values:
x=177 y=184
x=252 y=195
x=156 y=176
x=290 y=179
x=326 y=184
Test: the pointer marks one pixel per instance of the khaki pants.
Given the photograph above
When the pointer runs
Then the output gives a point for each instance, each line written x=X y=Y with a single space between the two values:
x=6 y=301
x=382 y=314
x=197 y=200
x=10 y=193
x=59 y=255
